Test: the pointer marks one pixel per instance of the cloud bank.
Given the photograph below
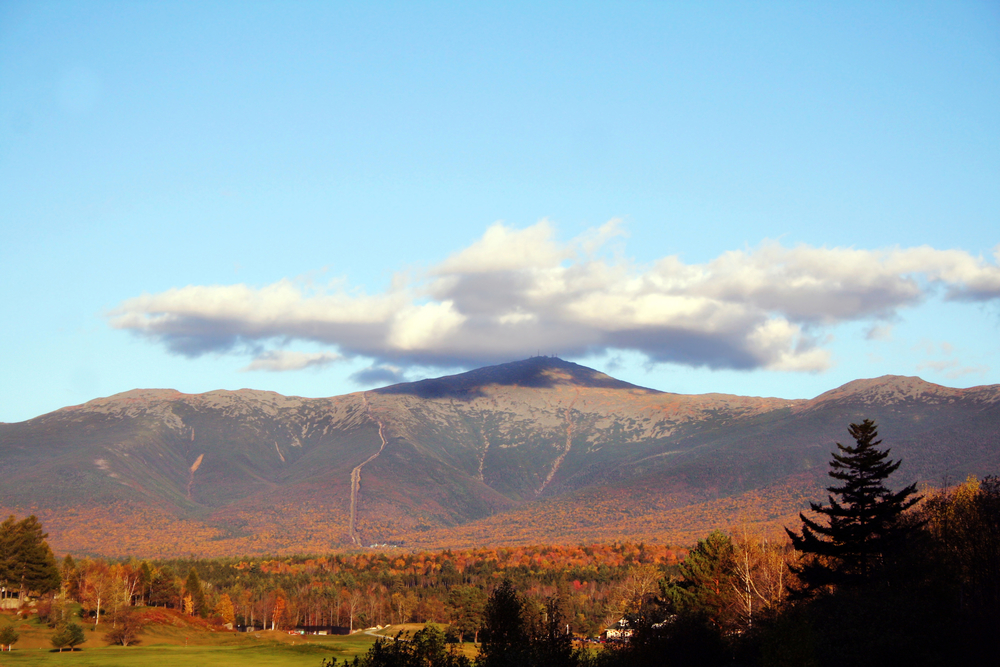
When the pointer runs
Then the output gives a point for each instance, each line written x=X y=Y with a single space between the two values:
x=518 y=291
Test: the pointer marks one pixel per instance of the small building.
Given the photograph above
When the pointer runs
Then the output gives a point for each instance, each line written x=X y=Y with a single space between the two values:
x=10 y=599
x=323 y=630
x=618 y=632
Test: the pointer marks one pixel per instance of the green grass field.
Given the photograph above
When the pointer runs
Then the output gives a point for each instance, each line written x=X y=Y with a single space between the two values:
x=265 y=653
x=166 y=645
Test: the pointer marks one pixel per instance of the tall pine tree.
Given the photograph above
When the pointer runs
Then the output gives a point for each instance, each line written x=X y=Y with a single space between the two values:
x=863 y=517
x=706 y=586
x=505 y=637
x=27 y=564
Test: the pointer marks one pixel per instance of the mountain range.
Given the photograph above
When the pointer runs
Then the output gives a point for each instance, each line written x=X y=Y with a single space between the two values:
x=534 y=451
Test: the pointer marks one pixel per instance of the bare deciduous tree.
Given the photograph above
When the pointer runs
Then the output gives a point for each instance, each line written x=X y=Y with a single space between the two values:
x=760 y=573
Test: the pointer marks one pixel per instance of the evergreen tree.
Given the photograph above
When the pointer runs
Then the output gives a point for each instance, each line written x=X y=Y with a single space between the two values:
x=518 y=635
x=504 y=633
x=552 y=644
x=163 y=589
x=68 y=636
x=466 y=604
x=26 y=561
x=429 y=647
x=706 y=586
x=145 y=579
x=192 y=588
x=863 y=517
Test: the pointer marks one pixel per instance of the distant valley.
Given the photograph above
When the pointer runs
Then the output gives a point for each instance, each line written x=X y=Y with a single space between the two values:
x=534 y=451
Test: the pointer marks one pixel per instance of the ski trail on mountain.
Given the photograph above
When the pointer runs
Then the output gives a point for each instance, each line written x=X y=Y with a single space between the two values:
x=565 y=451
x=486 y=448
x=192 y=471
x=356 y=474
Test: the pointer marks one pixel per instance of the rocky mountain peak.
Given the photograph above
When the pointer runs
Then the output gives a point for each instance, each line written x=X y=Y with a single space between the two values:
x=534 y=373
x=887 y=390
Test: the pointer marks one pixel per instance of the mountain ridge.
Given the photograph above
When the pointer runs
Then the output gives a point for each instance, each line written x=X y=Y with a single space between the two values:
x=520 y=449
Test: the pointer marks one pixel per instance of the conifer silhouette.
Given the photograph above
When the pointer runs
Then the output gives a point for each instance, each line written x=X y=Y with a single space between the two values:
x=863 y=516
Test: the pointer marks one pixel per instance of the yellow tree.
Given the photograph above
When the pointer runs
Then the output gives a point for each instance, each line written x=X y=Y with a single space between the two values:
x=121 y=589
x=224 y=608
x=280 y=602
x=97 y=588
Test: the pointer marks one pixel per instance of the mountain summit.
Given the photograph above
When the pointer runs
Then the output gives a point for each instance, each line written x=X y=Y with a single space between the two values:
x=901 y=388
x=538 y=450
x=534 y=373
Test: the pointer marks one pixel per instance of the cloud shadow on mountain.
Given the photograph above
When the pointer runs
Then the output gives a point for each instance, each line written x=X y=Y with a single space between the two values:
x=534 y=373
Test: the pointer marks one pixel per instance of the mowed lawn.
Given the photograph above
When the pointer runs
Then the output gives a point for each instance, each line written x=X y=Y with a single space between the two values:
x=170 y=646
x=263 y=654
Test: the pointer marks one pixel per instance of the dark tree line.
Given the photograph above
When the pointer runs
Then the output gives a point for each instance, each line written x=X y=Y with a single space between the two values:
x=516 y=632
x=426 y=648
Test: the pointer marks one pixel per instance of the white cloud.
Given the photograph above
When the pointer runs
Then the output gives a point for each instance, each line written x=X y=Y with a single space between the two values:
x=516 y=291
x=952 y=368
x=784 y=345
x=283 y=360
x=418 y=327
x=505 y=249
x=879 y=332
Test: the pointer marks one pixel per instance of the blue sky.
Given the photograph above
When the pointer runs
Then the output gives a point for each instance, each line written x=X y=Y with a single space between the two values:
x=318 y=198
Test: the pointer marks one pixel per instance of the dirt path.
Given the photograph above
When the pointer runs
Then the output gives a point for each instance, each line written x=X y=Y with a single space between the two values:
x=356 y=475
